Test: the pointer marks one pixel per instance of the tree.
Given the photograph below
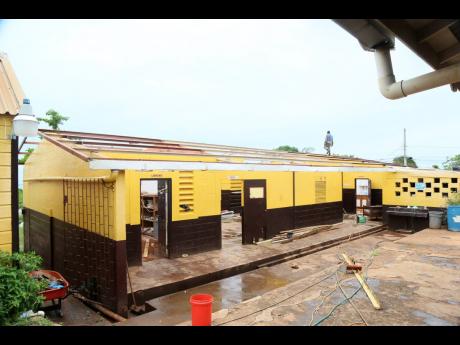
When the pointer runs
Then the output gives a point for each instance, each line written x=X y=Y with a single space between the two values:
x=287 y=148
x=400 y=161
x=53 y=119
x=435 y=166
x=452 y=162
x=26 y=156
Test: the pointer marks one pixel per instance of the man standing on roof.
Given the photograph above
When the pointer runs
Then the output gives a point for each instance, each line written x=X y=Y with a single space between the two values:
x=328 y=142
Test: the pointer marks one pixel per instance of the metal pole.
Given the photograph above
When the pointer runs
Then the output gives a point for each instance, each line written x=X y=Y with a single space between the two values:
x=405 y=156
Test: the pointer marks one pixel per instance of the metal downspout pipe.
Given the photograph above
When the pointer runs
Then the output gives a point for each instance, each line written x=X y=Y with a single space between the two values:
x=395 y=90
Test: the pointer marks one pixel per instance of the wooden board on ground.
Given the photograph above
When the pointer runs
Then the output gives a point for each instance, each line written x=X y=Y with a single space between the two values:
x=301 y=233
x=146 y=248
x=375 y=302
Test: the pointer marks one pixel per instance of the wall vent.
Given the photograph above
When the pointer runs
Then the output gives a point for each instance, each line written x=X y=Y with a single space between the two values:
x=186 y=191
x=320 y=191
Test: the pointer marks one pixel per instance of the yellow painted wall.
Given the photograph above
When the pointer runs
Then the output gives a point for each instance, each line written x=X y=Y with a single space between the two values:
x=47 y=197
x=5 y=183
x=199 y=189
x=306 y=185
x=377 y=179
x=47 y=161
x=203 y=190
x=419 y=198
x=279 y=185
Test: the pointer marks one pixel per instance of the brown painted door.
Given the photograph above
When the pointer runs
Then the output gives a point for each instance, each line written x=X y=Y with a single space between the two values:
x=164 y=200
x=254 y=211
x=363 y=195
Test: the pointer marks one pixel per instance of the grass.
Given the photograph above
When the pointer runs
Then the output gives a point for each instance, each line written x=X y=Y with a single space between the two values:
x=34 y=321
x=21 y=236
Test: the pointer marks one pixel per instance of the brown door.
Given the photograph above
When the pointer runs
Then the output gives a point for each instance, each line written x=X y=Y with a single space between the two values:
x=164 y=207
x=254 y=211
x=363 y=195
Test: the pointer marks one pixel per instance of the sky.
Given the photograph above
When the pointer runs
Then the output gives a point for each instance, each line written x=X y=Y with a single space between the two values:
x=255 y=83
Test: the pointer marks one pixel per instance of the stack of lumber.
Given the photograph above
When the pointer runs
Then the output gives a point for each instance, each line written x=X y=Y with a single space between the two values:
x=291 y=235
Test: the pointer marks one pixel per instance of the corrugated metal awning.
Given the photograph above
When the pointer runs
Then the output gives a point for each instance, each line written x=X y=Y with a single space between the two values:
x=11 y=94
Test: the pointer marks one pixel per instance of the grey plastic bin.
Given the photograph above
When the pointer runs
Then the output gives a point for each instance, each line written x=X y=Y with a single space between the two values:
x=436 y=219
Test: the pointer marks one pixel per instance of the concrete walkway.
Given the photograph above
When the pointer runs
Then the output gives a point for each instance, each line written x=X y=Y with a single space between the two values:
x=416 y=279
x=164 y=276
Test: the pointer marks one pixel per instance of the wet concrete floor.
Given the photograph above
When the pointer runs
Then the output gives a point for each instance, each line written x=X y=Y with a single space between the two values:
x=175 y=308
x=415 y=277
x=154 y=275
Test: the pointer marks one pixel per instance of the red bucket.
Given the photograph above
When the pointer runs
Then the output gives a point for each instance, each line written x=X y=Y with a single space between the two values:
x=201 y=309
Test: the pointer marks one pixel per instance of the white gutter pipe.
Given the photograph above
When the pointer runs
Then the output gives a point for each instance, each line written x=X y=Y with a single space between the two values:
x=395 y=90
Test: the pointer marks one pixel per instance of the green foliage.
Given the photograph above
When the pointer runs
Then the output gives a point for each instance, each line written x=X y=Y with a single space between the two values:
x=20 y=198
x=53 y=119
x=454 y=200
x=435 y=166
x=19 y=292
x=400 y=161
x=287 y=148
x=452 y=162
x=34 y=321
x=24 y=158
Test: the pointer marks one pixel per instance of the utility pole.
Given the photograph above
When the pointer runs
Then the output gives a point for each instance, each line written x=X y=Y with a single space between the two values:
x=405 y=156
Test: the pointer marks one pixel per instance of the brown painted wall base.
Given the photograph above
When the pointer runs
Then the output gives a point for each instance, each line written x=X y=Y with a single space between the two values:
x=230 y=200
x=134 y=245
x=94 y=264
x=286 y=218
x=194 y=236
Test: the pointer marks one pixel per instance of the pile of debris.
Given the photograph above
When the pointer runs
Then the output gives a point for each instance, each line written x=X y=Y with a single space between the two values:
x=291 y=235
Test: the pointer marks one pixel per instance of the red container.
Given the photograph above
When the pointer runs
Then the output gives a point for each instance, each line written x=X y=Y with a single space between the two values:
x=201 y=309
x=51 y=294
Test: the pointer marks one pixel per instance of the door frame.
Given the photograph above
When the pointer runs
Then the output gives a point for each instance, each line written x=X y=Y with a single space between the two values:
x=168 y=208
x=369 y=195
x=245 y=208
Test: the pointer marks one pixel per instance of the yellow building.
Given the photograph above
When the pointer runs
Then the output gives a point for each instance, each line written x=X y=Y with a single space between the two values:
x=11 y=97
x=89 y=198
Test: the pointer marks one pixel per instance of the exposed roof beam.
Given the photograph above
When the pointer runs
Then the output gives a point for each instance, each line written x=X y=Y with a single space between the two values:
x=65 y=147
x=433 y=28
x=449 y=53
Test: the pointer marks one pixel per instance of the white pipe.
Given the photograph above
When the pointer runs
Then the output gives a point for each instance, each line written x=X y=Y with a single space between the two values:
x=395 y=90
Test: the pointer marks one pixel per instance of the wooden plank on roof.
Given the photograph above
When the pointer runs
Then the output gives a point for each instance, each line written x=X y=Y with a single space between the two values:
x=64 y=147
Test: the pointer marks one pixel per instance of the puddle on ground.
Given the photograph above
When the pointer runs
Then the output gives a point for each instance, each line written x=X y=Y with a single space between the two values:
x=441 y=262
x=430 y=319
x=453 y=302
x=175 y=308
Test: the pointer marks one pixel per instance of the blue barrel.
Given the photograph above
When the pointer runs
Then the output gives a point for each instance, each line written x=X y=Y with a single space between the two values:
x=453 y=218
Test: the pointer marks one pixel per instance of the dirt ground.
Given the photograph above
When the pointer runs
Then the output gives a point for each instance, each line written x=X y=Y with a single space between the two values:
x=76 y=313
x=415 y=277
